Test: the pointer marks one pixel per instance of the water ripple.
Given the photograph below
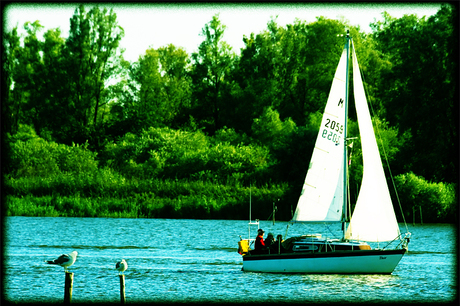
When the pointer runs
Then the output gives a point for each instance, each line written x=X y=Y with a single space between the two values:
x=100 y=247
x=168 y=264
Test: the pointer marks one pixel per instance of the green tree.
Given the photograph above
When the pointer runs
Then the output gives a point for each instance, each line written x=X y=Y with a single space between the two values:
x=285 y=142
x=177 y=83
x=28 y=78
x=270 y=130
x=92 y=57
x=164 y=86
x=54 y=115
x=420 y=90
x=151 y=92
x=12 y=96
x=209 y=71
x=123 y=98
x=35 y=72
x=289 y=69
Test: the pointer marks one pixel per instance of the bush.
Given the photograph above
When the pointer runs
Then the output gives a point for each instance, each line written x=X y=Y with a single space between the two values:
x=32 y=156
x=270 y=130
x=168 y=153
x=437 y=200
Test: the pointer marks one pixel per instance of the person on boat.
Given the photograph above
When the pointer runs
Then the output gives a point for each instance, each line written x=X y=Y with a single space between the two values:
x=278 y=244
x=275 y=246
x=270 y=240
x=260 y=244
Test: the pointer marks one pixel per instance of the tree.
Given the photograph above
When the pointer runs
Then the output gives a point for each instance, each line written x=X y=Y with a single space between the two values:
x=54 y=115
x=174 y=64
x=420 y=90
x=269 y=130
x=164 y=86
x=150 y=98
x=34 y=76
x=209 y=72
x=290 y=69
x=28 y=77
x=91 y=53
x=11 y=106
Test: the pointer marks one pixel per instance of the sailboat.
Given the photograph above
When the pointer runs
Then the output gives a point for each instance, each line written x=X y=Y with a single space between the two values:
x=324 y=198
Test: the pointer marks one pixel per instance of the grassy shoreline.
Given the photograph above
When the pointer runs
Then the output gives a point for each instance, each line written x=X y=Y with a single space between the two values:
x=211 y=202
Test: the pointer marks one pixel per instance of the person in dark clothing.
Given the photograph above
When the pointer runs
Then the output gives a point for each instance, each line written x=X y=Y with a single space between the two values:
x=259 y=244
x=270 y=240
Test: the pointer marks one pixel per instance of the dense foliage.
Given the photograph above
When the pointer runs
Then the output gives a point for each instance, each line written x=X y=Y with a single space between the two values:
x=192 y=136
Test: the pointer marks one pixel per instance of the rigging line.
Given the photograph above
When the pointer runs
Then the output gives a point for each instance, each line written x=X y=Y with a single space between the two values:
x=384 y=152
x=329 y=229
x=400 y=241
x=285 y=235
x=270 y=216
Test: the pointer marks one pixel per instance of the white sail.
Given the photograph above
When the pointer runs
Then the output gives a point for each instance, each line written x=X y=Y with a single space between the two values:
x=374 y=218
x=322 y=193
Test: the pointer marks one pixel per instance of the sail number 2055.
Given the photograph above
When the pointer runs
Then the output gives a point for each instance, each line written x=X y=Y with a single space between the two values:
x=330 y=132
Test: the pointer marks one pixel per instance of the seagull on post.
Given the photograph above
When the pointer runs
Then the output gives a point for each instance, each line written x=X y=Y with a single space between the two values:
x=65 y=260
x=121 y=266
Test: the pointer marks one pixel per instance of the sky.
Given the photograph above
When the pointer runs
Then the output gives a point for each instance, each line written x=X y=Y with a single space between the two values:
x=153 y=25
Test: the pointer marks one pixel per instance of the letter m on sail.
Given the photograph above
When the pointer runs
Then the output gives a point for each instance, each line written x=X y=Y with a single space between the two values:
x=340 y=102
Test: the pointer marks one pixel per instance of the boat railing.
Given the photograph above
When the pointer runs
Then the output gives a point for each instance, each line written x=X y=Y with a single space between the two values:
x=256 y=222
x=403 y=241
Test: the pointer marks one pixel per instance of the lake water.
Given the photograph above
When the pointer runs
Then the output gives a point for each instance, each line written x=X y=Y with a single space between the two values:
x=197 y=261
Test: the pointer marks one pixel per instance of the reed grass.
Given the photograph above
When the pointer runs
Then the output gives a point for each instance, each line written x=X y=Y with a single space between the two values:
x=81 y=197
x=142 y=206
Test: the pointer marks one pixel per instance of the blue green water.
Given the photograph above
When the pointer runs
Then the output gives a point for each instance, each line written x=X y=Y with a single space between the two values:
x=197 y=261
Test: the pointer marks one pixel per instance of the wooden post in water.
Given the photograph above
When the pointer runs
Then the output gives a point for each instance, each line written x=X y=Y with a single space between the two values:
x=122 y=289
x=273 y=213
x=68 y=287
x=413 y=215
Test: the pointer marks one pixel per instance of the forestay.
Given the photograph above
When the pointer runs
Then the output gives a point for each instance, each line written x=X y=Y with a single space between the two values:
x=373 y=218
x=322 y=193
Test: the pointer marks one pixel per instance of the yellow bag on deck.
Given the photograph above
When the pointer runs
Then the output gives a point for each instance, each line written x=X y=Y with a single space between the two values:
x=243 y=246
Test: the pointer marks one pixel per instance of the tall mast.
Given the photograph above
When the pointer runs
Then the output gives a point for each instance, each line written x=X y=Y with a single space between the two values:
x=345 y=151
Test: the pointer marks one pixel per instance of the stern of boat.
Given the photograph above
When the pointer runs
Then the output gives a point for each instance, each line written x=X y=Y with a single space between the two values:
x=243 y=246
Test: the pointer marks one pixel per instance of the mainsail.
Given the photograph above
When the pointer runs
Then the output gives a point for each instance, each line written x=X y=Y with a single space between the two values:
x=322 y=193
x=373 y=218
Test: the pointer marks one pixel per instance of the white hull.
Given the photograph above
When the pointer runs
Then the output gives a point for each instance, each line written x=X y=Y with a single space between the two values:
x=340 y=262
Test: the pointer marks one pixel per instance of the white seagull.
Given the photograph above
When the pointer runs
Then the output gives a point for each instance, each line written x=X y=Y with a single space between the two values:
x=65 y=260
x=121 y=266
